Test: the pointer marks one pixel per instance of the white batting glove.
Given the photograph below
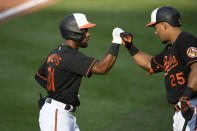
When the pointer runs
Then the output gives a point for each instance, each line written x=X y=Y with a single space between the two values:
x=116 y=35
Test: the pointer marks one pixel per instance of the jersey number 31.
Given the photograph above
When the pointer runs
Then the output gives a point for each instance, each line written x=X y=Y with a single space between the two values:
x=51 y=84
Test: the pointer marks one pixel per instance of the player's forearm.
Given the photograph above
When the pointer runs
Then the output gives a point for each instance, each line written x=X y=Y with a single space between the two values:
x=192 y=81
x=105 y=64
x=186 y=109
x=143 y=60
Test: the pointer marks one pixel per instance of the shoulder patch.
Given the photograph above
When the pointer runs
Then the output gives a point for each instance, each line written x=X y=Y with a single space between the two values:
x=192 y=52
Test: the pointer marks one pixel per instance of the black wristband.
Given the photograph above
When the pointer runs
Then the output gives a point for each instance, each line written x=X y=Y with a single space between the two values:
x=133 y=50
x=188 y=92
x=113 y=50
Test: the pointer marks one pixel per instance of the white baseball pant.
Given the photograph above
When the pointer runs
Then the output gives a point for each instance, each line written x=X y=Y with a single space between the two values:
x=54 y=117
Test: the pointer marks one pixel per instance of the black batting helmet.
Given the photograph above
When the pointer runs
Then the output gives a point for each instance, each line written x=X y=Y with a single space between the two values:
x=72 y=24
x=165 y=14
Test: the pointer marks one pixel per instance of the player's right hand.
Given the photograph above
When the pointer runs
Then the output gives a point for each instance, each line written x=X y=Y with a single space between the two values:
x=186 y=109
x=116 y=35
x=127 y=39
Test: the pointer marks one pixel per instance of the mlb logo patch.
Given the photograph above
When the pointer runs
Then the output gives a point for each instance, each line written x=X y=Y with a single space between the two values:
x=192 y=52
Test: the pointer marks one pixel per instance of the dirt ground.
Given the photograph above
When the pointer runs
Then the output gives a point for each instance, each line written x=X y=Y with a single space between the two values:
x=10 y=9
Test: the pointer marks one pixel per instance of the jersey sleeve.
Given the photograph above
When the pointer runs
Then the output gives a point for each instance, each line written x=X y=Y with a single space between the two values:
x=156 y=64
x=41 y=76
x=80 y=64
x=188 y=51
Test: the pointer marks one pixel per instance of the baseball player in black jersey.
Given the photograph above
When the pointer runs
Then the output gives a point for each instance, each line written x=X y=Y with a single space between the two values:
x=178 y=61
x=62 y=71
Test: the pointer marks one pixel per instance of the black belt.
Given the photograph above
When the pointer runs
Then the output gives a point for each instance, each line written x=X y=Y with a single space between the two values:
x=67 y=107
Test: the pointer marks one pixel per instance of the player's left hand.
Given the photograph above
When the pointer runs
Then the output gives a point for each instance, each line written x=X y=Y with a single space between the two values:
x=186 y=109
x=116 y=35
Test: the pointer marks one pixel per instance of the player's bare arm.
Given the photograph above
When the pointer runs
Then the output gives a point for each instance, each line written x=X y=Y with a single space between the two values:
x=186 y=110
x=141 y=59
x=192 y=81
x=105 y=64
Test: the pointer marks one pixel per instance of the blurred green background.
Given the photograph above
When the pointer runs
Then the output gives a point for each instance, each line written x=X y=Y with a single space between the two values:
x=126 y=99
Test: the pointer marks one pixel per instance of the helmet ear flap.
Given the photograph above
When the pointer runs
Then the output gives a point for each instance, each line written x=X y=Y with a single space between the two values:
x=78 y=36
x=73 y=35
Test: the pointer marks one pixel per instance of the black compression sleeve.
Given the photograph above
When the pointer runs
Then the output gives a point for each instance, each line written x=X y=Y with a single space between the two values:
x=133 y=50
x=113 y=50
x=188 y=93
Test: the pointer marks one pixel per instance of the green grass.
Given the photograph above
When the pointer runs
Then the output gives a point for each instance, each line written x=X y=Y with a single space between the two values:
x=125 y=99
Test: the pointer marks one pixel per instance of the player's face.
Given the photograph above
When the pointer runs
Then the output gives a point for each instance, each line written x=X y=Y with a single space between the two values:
x=160 y=31
x=84 y=42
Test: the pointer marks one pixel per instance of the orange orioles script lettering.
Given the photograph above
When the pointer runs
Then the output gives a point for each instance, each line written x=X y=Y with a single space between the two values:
x=169 y=64
x=54 y=58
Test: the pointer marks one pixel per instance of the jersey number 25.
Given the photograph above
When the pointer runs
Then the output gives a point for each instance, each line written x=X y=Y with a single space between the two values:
x=177 y=77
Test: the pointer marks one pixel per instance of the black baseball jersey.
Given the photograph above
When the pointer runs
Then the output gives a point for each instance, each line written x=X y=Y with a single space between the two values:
x=61 y=74
x=174 y=61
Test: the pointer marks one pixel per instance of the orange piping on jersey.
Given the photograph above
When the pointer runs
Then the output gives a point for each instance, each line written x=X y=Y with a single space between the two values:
x=190 y=62
x=157 y=63
x=90 y=67
x=41 y=76
x=151 y=71
x=56 y=119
